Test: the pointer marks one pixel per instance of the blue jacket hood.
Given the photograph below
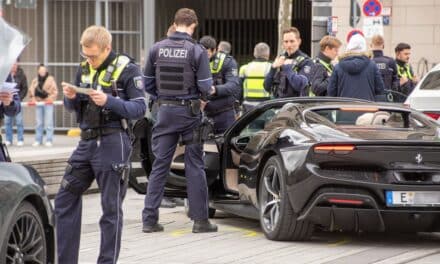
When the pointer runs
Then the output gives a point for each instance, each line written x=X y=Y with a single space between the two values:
x=354 y=64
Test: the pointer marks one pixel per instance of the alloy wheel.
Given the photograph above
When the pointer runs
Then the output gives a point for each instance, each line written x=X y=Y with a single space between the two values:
x=26 y=242
x=271 y=198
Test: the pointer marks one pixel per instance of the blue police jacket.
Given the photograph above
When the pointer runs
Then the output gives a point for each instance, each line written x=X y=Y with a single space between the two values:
x=388 y=69
x=131 y=102
x=297 y=76
x=199 y=61
x=228 y=91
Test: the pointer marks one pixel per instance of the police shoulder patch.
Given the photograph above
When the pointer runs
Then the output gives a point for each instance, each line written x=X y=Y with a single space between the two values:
x=307 y=69
x=139 y=82
x=235 y=72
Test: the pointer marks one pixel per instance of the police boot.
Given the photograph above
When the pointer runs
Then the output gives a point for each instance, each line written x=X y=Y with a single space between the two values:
x=152 y=228
x=204 y=226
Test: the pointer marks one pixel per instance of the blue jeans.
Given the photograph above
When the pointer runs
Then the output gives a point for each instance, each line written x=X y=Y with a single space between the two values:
x=9 y=122
x=44 y=115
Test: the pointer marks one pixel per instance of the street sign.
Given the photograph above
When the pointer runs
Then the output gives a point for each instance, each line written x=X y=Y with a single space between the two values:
x=332 y=25
x=372 y=8
x=354 y=32
x=373 y=26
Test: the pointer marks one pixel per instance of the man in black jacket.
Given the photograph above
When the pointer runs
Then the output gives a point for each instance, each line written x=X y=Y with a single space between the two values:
x=290 y=72
x=323 y=68
x=387 y=67
x=408 y=79
x=17 y=76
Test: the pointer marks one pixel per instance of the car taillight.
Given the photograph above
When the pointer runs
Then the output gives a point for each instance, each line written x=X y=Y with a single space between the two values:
x=345 y=201
x=433 y=115
x=337 y=149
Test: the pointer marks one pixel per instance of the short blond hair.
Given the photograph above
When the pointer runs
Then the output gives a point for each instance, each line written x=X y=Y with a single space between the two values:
x=377 y=41
x=329 y=41
x=96 y=35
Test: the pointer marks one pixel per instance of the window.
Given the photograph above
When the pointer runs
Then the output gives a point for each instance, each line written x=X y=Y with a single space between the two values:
x=431 y=82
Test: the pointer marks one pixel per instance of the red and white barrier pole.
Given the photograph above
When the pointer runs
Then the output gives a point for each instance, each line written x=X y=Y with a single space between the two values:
x=33 y=103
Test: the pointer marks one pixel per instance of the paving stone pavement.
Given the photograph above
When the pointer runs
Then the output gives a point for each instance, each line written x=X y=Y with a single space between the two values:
x=240 y=240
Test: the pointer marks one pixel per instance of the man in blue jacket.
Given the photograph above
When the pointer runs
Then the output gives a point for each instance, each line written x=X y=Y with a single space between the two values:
x=356 y=76
x=9 y=106
x=291 y=72
x=114 y=94
x=224 y=70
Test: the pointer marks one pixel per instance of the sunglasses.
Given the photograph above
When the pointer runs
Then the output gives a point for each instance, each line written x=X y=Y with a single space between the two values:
x=88 y=57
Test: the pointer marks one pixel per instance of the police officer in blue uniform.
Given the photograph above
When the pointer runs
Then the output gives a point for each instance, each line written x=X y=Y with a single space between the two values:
x=220 y=105
x=388 y=69
x=114 y=94
x=9 y=106
x=177 y=73
x=290 y=72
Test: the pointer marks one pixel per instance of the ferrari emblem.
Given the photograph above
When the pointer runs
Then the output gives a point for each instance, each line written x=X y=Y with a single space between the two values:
x=419 y=158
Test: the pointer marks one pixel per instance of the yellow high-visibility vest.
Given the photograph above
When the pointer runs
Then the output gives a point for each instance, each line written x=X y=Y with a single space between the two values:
x=253 y=74
x=119 y=64
x=404 y=71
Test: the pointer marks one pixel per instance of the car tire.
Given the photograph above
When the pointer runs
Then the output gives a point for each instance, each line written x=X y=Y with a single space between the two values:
x=31 y=245
x=277 y=218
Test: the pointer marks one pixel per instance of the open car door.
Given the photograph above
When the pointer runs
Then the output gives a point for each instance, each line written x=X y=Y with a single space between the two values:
x=142 y=160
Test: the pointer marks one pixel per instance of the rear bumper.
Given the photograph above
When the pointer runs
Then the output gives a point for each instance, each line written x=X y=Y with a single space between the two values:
x=369 y=216
x=360 y=205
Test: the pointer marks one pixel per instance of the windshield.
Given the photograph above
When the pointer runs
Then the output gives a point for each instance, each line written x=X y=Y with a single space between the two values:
x=384 y=124
x=431 y=82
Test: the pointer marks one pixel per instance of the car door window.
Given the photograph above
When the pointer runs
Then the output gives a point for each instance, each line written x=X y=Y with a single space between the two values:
x=431 y=82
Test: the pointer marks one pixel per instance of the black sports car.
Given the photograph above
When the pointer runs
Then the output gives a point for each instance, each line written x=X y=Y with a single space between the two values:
x=27 y=232
x=297 y=164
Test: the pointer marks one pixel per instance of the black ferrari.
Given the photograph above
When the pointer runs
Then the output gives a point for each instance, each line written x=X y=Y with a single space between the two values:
x=298 y=164
x=27 y=227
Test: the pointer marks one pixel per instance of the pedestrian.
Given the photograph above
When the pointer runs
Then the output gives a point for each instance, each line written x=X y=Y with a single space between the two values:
x=407 y=78
x=115 y=96
x=323 y=67
x=220 y=106
x=290 y=72
x=387 y=67
x=177 y=74
x=16 y=76
x=252 y=77
x=9 y=106
x=44 y=90
x=356 y=76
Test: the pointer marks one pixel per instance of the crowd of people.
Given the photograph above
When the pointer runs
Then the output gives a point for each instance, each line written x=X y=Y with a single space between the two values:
x=186 y=80
x=41 y=93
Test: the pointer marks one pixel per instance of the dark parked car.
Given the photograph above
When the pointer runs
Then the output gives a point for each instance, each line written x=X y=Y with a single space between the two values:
x=297 y=164
x=27 y=232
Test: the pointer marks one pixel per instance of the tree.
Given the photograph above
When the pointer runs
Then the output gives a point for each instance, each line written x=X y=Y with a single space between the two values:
x=284 y=20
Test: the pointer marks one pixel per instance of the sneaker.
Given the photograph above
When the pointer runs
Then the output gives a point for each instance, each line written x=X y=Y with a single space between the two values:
x=152 y=228
x=204 y=226
x=48 y=144
x=8 y=143
x=20 y=143
x=36 y=144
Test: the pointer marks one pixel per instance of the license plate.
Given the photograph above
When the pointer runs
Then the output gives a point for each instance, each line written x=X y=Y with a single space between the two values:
x=399 y=198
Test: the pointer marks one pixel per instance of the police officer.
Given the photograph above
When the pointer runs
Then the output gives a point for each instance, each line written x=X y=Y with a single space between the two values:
x=115 y=94
x=408 y=79
x=387 y=67
x=290 y=72
x=177 y=73
x=323 y=67
x=220 y=106
x=252 y=77
x=9 y=106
